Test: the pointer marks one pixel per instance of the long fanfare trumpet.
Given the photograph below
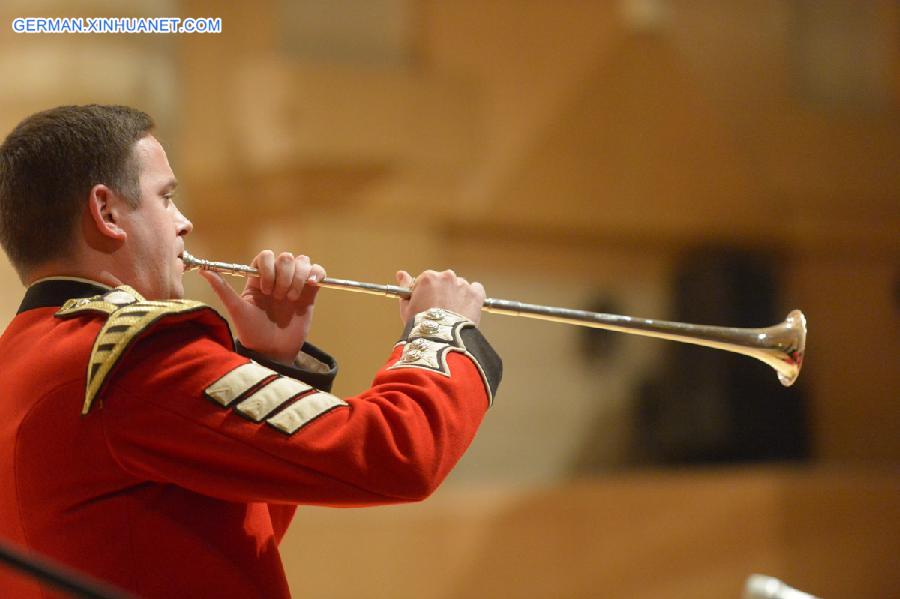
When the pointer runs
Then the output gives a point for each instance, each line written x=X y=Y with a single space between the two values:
x=780 y=346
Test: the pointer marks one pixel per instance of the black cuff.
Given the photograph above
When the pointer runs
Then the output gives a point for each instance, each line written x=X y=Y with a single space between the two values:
x=484 y=354
x=320 y=380
x=472 y=341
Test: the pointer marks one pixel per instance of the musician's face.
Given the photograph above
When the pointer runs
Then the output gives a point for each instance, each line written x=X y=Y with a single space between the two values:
x=156 y=228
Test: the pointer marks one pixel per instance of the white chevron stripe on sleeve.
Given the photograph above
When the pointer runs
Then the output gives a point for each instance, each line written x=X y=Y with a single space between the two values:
x=304 y=410
x=266 y=400
x=238 y=381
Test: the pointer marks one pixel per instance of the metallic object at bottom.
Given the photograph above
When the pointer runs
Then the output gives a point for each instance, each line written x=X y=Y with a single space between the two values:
x=759 y=586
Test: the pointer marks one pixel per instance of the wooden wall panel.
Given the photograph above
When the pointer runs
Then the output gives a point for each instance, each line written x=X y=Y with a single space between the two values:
x=647 y=536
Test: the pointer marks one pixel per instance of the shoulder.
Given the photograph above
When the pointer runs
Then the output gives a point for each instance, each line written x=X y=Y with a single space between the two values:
x=129 y=318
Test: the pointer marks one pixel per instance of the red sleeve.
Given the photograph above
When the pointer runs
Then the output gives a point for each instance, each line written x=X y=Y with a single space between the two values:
x=182 y=408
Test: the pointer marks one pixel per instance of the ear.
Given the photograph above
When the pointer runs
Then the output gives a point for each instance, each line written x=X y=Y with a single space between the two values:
x=106 y=208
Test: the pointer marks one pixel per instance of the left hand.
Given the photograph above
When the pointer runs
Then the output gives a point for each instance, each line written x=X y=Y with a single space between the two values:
x=273 y=314
x=445 y=289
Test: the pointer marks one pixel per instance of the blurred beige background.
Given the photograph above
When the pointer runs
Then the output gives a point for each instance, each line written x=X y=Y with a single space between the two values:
x=552 y=150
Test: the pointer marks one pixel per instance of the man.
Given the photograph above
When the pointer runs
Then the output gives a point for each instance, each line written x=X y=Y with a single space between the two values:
x=138 y=443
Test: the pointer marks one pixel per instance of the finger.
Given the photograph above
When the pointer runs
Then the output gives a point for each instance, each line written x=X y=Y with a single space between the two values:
x=404 y=279
x=428 y=277
x=265 y=265
x=316 y=273
x=478 y=290
x=229 y=297
x=302 y=269
x=284 y=275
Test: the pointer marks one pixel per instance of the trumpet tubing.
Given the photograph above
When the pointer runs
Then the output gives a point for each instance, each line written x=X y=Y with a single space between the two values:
x=781 y=346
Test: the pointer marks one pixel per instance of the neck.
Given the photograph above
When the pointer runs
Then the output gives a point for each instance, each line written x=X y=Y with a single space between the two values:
x=58 y=269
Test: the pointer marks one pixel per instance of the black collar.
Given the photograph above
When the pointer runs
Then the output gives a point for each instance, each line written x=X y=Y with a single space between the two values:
x=54 y=292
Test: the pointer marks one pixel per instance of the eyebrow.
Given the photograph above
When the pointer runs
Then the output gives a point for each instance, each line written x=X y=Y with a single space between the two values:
x=170 y=185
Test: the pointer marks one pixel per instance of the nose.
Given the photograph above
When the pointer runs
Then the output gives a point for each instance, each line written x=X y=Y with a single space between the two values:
x=184 y=225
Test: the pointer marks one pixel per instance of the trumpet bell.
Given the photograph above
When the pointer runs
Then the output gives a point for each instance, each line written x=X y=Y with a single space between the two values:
x=787 y=346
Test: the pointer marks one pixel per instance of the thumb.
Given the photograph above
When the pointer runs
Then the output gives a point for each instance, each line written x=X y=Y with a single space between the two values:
x=404 y=279
x=229 y=296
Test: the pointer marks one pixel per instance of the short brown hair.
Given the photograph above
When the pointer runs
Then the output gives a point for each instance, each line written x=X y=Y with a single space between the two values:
x=48 y=165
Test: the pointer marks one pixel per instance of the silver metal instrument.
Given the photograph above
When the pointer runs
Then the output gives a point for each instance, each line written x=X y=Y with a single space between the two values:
x=781 y=346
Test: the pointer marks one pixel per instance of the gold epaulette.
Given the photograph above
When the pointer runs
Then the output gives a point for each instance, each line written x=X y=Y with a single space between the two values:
x=129 y=314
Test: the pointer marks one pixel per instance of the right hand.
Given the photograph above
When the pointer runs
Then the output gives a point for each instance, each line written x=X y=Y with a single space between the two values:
x=274 y=313
x=441 y=290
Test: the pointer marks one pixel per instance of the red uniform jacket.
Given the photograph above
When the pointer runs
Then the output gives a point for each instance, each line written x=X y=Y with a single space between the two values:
x=137 y=446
